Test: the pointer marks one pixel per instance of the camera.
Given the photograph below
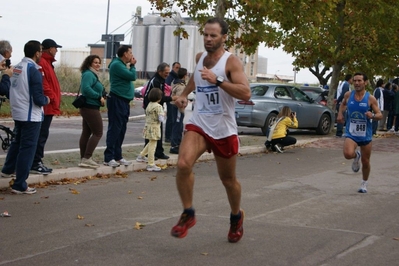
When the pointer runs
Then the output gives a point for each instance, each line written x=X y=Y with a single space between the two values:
x=8 y=63
x=293 y=113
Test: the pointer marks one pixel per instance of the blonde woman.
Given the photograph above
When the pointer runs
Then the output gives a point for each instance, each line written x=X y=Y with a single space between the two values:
x=286 y=119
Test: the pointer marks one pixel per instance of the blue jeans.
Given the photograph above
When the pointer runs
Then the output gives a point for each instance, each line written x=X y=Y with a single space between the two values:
x=177 y=127
x=21 y=153
x=118 y=116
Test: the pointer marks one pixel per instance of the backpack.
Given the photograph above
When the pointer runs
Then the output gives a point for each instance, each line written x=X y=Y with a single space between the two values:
x=272 y=127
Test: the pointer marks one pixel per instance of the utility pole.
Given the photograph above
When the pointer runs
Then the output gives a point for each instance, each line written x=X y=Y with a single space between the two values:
x=105 y=44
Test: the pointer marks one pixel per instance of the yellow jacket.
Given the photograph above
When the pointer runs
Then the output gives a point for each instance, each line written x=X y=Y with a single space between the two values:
x=281 y=128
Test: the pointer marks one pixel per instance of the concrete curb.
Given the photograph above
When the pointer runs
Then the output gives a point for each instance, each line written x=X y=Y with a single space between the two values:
x=79 y=172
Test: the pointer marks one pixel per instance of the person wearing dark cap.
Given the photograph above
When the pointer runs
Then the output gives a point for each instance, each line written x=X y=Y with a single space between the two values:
x=51 y=88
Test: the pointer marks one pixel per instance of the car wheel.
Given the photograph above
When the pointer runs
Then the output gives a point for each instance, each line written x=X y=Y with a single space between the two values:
x=269 y=120
x=324 y=125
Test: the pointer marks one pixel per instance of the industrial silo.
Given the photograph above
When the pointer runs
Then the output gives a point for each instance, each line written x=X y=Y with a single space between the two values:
x=190 y=47
x=154 y=48
x=170 y=45
x=139 y=48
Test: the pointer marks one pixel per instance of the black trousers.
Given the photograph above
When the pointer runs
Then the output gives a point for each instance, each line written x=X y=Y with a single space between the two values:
x=43 y=136
x=286 y=141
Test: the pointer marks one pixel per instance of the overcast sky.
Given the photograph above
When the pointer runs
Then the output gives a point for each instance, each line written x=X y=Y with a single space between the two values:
x=77 y=23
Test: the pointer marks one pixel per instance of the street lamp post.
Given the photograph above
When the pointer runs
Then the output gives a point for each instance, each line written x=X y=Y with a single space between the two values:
x=105 y=44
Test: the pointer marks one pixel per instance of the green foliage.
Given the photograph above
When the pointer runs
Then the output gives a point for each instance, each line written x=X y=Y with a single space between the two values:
x=330 y=37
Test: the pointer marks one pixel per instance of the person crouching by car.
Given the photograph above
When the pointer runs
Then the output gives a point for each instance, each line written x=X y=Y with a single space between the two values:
x=286 y=119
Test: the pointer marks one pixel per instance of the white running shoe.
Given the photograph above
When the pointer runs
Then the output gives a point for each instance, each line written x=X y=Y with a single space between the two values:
x=363 y=187
x=356 y=163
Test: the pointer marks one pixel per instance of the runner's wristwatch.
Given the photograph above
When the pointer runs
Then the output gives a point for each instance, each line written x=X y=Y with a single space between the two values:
x=219 y=80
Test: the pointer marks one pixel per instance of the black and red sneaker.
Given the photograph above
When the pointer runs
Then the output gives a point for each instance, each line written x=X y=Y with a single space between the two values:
x=236 y=229
x=180 y=230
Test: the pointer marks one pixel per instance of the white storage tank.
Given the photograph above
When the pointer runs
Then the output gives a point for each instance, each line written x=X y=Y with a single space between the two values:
x=151 y=19
x=262 y=65
x=74 y=57
x=154 y=47
x=170 y=45
x=190 y=47
x=139 y=46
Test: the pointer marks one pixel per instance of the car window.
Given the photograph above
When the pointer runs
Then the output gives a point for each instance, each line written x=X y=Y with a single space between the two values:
x=282 y=93
x=299 y=95
x=312 y=94
x=259 y=90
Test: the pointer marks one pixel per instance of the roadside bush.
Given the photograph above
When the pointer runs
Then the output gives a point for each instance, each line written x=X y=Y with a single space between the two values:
x=69 y=79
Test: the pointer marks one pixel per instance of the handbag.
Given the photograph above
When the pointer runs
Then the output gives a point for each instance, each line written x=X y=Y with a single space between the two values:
x=79 y=101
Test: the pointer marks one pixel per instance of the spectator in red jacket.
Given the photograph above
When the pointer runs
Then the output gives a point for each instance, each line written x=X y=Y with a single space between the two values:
x=51 y=88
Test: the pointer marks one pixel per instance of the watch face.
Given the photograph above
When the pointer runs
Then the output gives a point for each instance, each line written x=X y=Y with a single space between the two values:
x=220 y=79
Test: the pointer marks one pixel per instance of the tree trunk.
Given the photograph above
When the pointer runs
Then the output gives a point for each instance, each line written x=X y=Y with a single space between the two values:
x=334 y=84
x=220 y=8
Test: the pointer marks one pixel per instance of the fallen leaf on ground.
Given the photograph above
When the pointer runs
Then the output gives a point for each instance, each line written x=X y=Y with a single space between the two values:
x=138 y=226
x=396 y=238
x=204 y=253
x=89 y=225
x=80 y=217
x=139 y=197
x=74 y=191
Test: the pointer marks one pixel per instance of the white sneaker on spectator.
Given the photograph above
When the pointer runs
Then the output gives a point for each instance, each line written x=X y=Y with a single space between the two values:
x=124 y=162
x=29 y=190
x=141 y=159
x=112 y=163
x=4 y=175
x=153 y=168
x=88 y=163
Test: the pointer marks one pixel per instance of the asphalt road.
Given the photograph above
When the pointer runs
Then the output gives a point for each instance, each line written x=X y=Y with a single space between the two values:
x=301 y=208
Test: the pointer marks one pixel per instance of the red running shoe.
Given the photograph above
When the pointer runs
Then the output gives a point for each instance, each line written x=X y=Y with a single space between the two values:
x=180 y=230
x=236 y=230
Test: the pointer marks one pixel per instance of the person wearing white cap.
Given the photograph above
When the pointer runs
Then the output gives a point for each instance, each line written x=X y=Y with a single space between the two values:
x=51 y=88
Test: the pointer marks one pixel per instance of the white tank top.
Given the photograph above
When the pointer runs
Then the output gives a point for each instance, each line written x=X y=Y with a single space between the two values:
x=214 y=110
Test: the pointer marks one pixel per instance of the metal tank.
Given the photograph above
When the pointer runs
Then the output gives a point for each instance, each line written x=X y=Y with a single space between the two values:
x=151 y=19
x=190 y=47
x=154 y=48
x=170 y=45
x=139 y=47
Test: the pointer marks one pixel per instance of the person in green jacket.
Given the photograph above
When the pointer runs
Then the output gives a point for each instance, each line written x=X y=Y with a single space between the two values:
x=92 y=123
x=121 y=73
